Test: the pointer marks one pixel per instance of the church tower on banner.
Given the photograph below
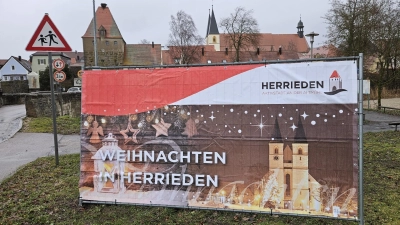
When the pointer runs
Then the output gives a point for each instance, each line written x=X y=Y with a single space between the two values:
x=297 y=188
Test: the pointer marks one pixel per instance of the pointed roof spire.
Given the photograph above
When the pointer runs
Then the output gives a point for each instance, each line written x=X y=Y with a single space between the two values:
x=276 y=135
x=212 y=27
x=300 y=135
x=104 y=19
x=208 y=25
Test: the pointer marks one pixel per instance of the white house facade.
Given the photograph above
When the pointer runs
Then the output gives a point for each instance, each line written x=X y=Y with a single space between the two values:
x=40 y=60
x=15 y=69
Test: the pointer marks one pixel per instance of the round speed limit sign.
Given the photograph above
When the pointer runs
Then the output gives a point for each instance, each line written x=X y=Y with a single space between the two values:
x=59 y=76
x=58 y=64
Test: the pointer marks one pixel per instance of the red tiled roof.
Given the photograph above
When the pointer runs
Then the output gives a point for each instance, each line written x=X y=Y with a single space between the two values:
x=335 y=74
x=246 y=56
x=3 y=61
x=325 y=51
x=272 y=42
x=104 y=18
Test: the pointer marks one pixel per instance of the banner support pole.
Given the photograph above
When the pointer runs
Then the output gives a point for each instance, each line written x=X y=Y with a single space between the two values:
x=360 y=135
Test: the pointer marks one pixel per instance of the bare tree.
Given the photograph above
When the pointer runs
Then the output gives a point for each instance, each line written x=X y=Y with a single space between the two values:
x=144 y=41
x=242 y=30
x=385 y=36
x=184 y=41
x=371 y=27
x=348 y=26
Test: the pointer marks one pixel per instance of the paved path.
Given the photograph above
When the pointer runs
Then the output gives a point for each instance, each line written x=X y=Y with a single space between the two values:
x=10 y=120
x=23 y=148
x=376 y=122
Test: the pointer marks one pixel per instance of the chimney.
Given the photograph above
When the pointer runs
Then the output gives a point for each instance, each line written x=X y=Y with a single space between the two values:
x=103 y=5
x=152 y=44
x=19 y=58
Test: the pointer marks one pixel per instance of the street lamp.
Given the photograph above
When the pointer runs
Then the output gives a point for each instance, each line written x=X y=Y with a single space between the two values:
x=94 y=34
x=311 y=35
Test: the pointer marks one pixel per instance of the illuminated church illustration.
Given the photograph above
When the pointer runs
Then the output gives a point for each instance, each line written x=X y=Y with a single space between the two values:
x=298 y=189
x=335 y=81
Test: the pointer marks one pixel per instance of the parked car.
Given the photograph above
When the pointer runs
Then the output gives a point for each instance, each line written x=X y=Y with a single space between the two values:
x=74 y=90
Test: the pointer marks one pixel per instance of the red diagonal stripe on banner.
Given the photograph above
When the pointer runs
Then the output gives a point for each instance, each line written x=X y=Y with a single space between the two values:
x=122 y=92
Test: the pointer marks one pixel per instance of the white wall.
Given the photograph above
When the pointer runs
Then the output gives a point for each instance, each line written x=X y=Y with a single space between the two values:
x=7 y=69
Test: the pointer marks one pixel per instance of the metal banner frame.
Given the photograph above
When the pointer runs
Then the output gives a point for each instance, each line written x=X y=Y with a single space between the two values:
x=358 y=59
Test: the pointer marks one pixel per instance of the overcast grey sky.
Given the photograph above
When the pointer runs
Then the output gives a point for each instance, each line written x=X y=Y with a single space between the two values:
x=148 y=19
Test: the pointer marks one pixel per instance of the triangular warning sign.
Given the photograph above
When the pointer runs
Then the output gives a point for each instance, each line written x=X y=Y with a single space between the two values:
x=47 y=38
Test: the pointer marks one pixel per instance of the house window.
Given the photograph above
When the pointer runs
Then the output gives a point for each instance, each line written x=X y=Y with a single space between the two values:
x=42 y=61
x=115 y=42
x=107 y=42
x=12 y=67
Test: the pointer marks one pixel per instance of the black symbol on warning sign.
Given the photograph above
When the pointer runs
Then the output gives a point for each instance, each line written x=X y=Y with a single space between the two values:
x=51 y=37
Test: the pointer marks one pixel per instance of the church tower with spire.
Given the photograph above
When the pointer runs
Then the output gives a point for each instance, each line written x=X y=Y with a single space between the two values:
x=212 y=36
x=300 y=29
x=291 y=165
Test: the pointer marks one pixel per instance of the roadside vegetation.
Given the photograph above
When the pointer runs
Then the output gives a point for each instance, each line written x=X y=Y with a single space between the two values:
x=65 y=125
x=40 y=193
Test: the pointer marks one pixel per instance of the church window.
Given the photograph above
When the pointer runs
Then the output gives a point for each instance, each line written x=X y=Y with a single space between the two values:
x=276 y=151
x=300 y=151
x=214 y=39
x=287 y=185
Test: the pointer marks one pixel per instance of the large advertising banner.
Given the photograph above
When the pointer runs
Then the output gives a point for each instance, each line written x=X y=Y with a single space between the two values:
x=281 y=137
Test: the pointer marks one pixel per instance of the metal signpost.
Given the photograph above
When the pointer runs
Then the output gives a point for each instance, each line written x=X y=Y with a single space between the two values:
x=47 y=38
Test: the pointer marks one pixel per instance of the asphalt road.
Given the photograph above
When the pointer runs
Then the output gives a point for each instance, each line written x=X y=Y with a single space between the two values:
x=10 y=120
x=23 y=148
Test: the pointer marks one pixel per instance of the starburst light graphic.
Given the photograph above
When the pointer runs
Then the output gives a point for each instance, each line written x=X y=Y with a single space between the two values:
x=212 y=117
x=304 y=115
x=260 y=126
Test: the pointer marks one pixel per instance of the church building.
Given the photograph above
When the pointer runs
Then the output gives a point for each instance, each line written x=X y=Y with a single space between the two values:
x=270 y=46
x=298 y=189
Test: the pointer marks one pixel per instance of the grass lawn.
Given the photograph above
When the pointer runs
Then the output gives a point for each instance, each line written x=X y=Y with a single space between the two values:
x=40 y=193
x=70 y=125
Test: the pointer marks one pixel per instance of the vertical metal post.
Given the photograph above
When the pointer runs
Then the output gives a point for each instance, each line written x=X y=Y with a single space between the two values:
x=312 y=41
x=94 y=34
x=360 y=130
x=53 y=107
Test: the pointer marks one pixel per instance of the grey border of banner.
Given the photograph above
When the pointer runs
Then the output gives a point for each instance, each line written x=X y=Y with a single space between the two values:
x=359 y=58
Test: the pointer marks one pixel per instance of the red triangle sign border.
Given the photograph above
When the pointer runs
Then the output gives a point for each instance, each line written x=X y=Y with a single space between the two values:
x=30 y=46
